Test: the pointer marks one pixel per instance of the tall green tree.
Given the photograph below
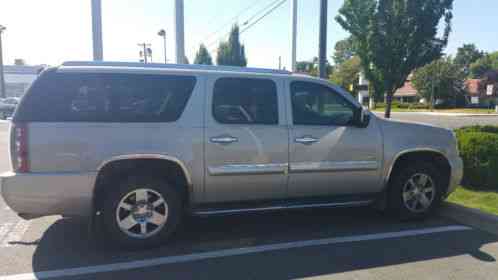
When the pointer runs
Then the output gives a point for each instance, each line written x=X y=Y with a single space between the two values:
x=466 y=55
x=311 y=67
x=441 y=79
x=394 y=37
x=344 y=50
x=232 y=52
x=347 y=74
x=203 y=57
x=488 y=62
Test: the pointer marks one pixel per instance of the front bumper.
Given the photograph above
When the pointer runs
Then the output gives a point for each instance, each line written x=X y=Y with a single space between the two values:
x=43 y=194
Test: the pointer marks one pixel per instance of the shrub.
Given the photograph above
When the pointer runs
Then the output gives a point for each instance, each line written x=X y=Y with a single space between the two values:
x=403 y=105
x=419 y=106
x=478 y=128
x=479 y=150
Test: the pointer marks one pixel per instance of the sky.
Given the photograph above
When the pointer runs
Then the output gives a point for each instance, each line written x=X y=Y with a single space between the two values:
x=53 y=31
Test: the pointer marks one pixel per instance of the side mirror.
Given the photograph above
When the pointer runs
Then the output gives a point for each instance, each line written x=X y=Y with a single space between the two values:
x=363 y=118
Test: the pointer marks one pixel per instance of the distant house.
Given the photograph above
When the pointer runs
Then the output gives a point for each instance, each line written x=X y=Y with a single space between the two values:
x=19 y=77
x=407 y=93
x=483 y=91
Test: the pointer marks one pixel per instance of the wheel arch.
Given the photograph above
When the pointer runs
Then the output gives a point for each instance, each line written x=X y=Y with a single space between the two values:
x=440 y=160
x=133 y=161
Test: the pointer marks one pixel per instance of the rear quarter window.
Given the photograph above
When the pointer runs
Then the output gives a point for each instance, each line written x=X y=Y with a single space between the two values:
x=105 y=97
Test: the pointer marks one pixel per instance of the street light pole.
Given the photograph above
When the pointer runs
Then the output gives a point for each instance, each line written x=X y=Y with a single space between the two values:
x=293 y=34
x=162 y=33
x=98 y=51
x=179 y=32
x=2 y=79
x=322 y=52
x=322 y=48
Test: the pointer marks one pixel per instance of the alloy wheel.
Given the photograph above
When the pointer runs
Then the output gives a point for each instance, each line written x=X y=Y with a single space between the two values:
x=142 y=213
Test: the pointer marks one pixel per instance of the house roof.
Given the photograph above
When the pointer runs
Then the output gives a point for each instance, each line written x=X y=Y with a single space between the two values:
x=406 y=91
x=473 y=86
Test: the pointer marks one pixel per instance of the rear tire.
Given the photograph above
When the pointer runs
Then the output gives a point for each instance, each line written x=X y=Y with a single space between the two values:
x=415 y=191
x=141 y=213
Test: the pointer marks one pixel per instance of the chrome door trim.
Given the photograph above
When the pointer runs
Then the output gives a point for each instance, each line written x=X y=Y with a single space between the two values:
x=333 y=166
x=248 y=169
x=282 y=207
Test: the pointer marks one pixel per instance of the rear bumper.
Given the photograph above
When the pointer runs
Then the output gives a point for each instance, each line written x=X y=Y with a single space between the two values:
x=456 y=174
x=42 y=194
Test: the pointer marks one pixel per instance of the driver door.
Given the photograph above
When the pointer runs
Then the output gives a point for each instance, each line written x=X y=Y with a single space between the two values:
x=329 y=156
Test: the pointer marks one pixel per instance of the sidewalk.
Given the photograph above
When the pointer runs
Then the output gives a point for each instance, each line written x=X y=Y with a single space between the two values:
x=443 y=114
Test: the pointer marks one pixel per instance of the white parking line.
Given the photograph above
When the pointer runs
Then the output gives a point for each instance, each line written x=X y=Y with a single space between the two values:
x=226 y=253
x=12 y=232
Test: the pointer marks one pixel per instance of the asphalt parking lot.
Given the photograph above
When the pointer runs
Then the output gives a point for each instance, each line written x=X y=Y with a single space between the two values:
x=334 y=243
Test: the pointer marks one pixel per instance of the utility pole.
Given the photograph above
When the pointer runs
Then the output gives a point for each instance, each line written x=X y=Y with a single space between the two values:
x=322 y=48
x=2 y=79
x=293 y=34
x=162 y=33
x=279 y=63
x=98 y=52
x=145 y=52
x=179 y=32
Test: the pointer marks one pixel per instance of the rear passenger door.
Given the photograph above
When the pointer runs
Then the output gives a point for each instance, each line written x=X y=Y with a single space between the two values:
x=246 y=140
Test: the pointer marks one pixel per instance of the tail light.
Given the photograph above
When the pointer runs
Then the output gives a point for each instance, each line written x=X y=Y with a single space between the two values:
x=20 y=148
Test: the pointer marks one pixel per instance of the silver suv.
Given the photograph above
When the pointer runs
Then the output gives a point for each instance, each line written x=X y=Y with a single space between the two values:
x=134 y=147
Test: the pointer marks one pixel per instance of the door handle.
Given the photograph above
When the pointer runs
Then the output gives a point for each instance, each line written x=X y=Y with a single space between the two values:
x=223 y=139
x=306 y=140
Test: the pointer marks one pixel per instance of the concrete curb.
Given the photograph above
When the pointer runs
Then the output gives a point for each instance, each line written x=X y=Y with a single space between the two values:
x=444 y=114
x=472 y=217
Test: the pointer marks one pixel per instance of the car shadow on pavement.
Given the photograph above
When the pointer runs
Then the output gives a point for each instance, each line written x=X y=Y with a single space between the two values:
x=66 y=244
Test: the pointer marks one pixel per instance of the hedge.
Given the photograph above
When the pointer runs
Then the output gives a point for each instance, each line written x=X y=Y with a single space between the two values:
x=478 y=147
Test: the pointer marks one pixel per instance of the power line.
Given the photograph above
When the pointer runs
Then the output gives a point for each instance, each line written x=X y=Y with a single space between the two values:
x=248 y=8
x=272 y=7
x=261 y=11
x=263 y=16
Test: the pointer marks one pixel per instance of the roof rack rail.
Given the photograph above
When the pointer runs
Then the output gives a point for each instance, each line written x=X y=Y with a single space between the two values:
x=175 y=66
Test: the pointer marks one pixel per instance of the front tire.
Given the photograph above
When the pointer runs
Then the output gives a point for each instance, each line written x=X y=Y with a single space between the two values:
x=142 y=213
x=415 y=191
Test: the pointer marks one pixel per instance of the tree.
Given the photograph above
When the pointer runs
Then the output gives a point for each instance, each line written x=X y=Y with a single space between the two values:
x=394 y=37
x=441 y=79
x=203 y=57
x=232 y=52
x=311 y=67
x=347 y=73
x=488 y=62
x=466 y=55
x=344 y=50
x=19 y=61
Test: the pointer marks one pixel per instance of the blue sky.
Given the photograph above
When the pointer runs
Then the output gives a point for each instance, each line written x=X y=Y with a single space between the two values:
x=51 y=31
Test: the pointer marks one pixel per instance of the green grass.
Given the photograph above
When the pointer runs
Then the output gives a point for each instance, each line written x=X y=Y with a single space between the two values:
x=486 y=201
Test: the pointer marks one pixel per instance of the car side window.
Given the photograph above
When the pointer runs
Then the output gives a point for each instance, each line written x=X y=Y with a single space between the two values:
x=108 y=97
x=315 y=104
x=245 y=101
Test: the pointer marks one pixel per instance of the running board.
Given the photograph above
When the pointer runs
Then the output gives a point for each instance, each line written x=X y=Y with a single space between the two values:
x=233 y=211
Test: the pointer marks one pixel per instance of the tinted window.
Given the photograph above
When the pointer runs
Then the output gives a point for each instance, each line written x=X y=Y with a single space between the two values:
x=59 y=97
x=314 y=104
x=245 y=101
